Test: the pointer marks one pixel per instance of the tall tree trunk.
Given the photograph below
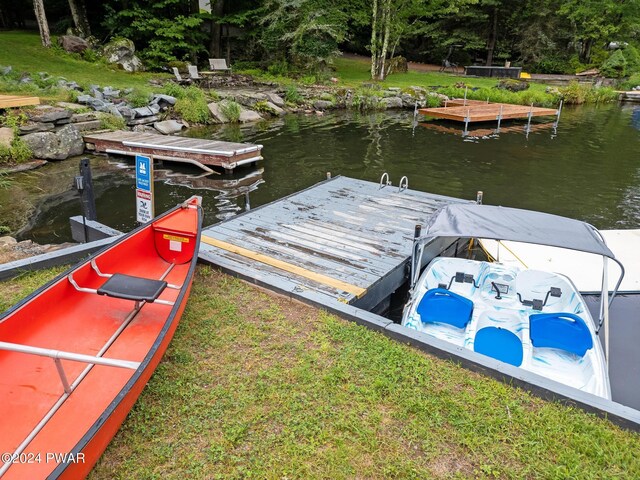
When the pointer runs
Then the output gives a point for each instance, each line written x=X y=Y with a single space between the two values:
x=41 y=17
x=585 y=51
x=386 y=18
x=493 y=38
x=80 y=20
x=215 y=46
x=374 y=39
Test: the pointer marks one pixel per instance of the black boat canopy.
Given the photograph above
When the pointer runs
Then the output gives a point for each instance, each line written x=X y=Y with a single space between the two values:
x=469 y=220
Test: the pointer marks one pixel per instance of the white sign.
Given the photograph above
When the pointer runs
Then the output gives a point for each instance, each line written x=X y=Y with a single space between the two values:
x=144 y=206
x=144 y=189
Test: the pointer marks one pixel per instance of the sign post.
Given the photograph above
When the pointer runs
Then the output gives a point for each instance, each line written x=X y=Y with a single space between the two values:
x=144 y=189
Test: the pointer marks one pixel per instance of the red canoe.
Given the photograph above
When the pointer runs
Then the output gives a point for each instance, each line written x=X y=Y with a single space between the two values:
x=75 y=355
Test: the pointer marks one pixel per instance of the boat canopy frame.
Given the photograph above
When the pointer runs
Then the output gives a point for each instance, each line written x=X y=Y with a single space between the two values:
x=474 y=220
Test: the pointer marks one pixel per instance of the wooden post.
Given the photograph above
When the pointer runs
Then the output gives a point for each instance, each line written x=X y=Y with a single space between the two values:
x=499 y=119
x=87 y=196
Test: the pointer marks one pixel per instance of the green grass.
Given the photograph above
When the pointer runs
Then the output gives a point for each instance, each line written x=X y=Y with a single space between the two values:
x=19 y=287
x=24 y=52
x=259 y=386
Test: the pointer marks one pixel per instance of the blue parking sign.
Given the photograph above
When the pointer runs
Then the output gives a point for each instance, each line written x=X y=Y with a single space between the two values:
x=143 y=173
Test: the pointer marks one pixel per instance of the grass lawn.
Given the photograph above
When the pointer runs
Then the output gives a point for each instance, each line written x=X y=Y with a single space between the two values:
x=258 y=386
x=24 y=52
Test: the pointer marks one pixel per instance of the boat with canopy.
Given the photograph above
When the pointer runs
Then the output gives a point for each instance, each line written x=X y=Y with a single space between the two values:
x=532 y=319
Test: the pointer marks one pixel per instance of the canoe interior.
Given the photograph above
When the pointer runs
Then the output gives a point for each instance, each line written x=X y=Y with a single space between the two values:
x=63 y=318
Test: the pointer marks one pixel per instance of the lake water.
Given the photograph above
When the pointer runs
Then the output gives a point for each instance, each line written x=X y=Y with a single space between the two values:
x=588 y=169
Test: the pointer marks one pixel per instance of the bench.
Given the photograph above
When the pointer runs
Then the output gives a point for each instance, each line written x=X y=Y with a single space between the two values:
x=219 y=65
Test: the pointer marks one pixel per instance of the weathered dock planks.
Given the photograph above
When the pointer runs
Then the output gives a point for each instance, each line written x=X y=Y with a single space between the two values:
x=197 y=151
x=629 y=96
x=485 y=112
x=9 y=101
x=343 y=240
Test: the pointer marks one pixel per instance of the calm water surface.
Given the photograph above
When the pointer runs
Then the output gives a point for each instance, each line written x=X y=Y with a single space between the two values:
x=588 y=169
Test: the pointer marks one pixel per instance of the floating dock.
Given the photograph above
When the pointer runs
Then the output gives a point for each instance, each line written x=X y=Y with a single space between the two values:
x=343 y=240
x=10 y=101
x=475 y=111
x=629 y=96
x=196 y=151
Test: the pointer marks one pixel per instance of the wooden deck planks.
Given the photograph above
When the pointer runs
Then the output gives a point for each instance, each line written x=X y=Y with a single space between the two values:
x=10 y=101
x=342 y=232
x=484 y=112
x=198 y=151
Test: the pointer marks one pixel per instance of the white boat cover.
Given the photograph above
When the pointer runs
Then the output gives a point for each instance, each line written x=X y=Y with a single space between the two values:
x=468 y=220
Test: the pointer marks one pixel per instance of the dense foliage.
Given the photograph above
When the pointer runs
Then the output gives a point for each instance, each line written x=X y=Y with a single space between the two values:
x=547 y=36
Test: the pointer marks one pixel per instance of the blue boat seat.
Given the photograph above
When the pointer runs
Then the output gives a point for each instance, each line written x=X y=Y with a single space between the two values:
x=439 y=305
x=499 y=343
x=564 y=331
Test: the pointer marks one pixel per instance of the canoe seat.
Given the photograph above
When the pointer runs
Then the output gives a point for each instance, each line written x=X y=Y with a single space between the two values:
x=564 y=331
x=132 y=288
x=439 y=305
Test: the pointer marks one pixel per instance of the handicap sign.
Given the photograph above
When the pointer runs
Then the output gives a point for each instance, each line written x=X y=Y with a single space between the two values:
x=143 y=172
x=144 y=189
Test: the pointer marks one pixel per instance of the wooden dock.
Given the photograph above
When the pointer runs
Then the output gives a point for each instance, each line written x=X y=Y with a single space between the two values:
x=476 y=111
x=10 y=101
x=340 y=241
x=629 y=96
x=196 y=151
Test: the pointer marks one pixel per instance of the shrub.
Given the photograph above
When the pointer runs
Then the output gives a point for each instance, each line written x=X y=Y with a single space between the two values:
x=109 y=121
x=173 y=89
x=231 y=110
x=280 y=68
x=138 y=98
x=632 y=57
x=18 y=152
x=292 y=95
x=632 y=81
x=192 y=105
x=615 y=66
x=512 y=85
x=364 y=100
x=577 y=94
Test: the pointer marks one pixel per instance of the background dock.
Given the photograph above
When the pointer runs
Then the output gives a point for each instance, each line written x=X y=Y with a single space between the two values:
x=343 y=240
x=9 y=101
x=196 y=151
x=476 y=111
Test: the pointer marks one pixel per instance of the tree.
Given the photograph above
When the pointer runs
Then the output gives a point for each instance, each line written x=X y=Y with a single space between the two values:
x=393 y=21
x=163 y=31
x=79 y=15
x=43 y=25
x=599 y=22
x=304 y=32
x=217 y=11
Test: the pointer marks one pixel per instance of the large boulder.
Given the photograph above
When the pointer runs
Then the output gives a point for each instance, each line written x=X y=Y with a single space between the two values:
x=391 y=102
x=216 y=113
x=46 y=113
x=249 y=116
x=73 y=44
x=6 y=137
x=276 y=99
x=65 y=143
x=168 y=127
x=122 y=52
